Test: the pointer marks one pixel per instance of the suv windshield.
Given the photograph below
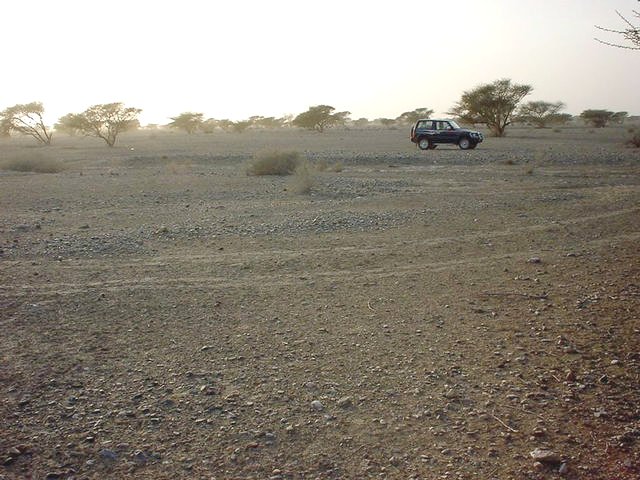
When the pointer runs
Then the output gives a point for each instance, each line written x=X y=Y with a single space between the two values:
x=454 y=124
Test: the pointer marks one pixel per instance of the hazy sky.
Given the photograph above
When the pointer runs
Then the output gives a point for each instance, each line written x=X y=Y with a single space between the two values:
x=234 y=59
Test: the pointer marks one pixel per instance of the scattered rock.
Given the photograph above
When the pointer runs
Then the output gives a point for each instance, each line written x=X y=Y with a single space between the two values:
x=534 y=260
x=564 y=469
x=317 y=405
x=544 y=455
x=345 y=402
x=108 y=456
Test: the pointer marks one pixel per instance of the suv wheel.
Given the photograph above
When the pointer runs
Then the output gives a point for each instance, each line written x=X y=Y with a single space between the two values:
x=465 y=143
x=425 y=144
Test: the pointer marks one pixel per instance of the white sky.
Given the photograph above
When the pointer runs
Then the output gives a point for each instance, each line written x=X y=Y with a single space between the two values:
x=234 y=59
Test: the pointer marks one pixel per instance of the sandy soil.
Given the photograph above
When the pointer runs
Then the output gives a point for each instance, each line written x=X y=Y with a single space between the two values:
x=417 y=315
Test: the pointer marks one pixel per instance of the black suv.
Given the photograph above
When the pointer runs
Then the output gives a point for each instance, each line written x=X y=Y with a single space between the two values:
x=428 y=133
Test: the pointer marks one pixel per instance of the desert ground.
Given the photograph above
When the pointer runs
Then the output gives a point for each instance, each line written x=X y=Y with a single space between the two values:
x=416 y=315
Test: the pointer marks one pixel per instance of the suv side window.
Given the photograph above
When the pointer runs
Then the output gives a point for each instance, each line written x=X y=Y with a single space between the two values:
x=444 y=126
x=426 y=125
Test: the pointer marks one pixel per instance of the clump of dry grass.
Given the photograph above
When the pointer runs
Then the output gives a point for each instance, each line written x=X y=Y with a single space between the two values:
x=274 y=162
x=303 y=179
x=509 y=162
x=324 y=166
x=36 y=162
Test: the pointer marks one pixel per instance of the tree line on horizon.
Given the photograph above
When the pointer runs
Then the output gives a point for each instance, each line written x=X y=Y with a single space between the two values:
x=495 y=105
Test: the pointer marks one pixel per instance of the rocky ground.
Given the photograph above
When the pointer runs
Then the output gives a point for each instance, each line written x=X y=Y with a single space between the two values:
x=453 y=315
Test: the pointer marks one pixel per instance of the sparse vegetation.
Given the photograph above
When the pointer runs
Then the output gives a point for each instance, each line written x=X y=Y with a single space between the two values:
x=634 y=141
x=31 y=161
x=540 y=114
x=409 y=118
x=105 y=121
x=491 y=104
x=600 y=118
x=319 y=118
x=27 y=120
x=274 y=162
x=303 y=178
x=188 y=121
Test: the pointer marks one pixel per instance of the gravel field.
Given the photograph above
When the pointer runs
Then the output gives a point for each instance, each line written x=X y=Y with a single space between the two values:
x=416 y=315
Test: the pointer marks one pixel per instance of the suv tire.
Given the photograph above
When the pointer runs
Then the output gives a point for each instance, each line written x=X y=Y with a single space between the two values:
x=425 y=144
x=465 y=143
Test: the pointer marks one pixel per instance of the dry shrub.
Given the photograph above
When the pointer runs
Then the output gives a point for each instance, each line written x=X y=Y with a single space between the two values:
x=324 y=166
x=303 y=179
x=509 y=162
x=274 y=162
x=634 y=141
x=36 y=162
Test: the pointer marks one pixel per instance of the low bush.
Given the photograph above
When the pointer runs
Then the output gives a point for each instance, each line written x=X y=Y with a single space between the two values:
x=274 y=162
x=634 y=141
x=36 y=162
x=303 y=179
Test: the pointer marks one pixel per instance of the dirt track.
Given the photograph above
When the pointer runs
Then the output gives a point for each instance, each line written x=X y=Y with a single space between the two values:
x=441 y=316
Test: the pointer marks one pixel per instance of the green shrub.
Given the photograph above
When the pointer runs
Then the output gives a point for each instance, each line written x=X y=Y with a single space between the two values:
x=36 y=162
x=274 y=162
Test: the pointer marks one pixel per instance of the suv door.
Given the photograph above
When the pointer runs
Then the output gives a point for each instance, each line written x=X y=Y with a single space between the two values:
x=446 y=132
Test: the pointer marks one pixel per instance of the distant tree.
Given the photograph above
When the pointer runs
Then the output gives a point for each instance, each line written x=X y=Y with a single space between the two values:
x=409 y=118
x=539 y=113
x=386 y=122
x=560 y=118
x=361 y=122
x=319 y=118
x=26 y=119
x=241 y=126
x=630 y=34
x=105 y=121
x=597 y=118
x=68 y=124
x=224 y=124
x=491 y=104
x=188 y=121
x=619 y=117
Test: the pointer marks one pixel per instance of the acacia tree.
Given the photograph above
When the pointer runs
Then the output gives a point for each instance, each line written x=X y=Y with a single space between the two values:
x=491 y=104
x=188 y=121
x=540 y=113
x=597 y=118
x=630 y=34
x=409 y=118
x=105 y=121
x=319 y=118
x=27 y=119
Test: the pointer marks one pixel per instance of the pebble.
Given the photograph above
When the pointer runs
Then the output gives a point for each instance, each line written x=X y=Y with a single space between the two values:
x=317 y=405
x=345 y=402
x=108 y=455
x=544 y=455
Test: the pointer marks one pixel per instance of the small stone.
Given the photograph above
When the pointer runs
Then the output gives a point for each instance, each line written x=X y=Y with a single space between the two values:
x=544 y=455
x=14 y=452
x=534 y=260
x=108 y=455
x=317 y=405
x=564 y=469
x=570 y=376
x=206 y=347
x=345 y=402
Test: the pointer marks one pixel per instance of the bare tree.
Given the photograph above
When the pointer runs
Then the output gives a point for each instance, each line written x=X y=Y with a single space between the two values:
x=630 y=34
x=26 y=119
